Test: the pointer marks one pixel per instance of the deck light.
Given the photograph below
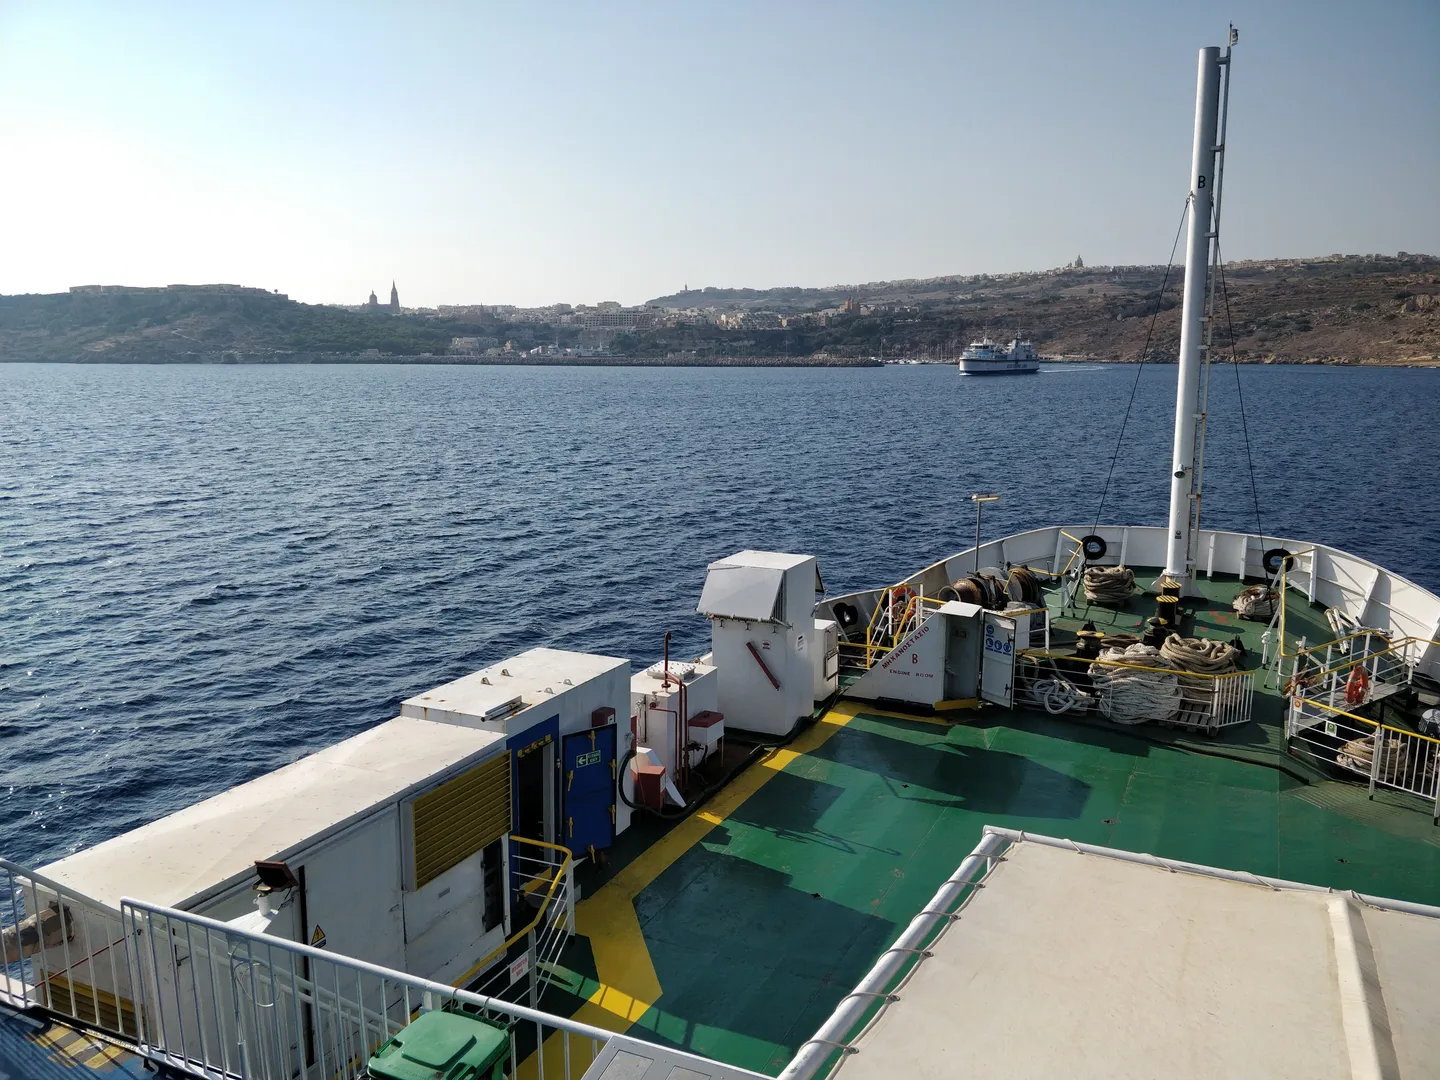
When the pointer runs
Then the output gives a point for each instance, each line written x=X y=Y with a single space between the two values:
x=275 y=875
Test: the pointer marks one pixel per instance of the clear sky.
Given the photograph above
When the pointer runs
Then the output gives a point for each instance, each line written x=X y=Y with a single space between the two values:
x=531 y=152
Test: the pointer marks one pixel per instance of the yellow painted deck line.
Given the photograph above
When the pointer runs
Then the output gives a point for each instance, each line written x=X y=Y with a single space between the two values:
x=628 y=983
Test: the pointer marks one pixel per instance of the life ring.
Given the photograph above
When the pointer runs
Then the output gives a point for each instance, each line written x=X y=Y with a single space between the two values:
x=900 y=597
x=1357 y=687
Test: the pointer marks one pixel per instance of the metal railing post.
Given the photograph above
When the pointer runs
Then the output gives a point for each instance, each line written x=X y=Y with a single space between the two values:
x=533 y=969
x=1378 y=748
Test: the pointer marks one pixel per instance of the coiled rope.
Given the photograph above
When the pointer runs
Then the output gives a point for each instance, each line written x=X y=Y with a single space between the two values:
x=1206 y=658
x=1200 y=655
x=1257 y=603
x=1359 y=754
x=1130 y=696
x=984 y=590
x=1024 y=581
x=1109 y=584
x=1057 y=695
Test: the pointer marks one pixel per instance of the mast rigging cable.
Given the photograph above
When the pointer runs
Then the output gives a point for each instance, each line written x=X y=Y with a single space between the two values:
x=1144 y=353
x=1239 y=395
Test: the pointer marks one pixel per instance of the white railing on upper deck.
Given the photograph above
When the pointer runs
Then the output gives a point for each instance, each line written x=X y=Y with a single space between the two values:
x=224 y=1002
x=1385 y=756
x=59 y=949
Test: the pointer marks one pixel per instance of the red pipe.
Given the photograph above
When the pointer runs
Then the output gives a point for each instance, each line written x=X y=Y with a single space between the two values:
x=763 y=666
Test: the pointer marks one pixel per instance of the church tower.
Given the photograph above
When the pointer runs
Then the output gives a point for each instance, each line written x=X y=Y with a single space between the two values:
x=394 y=299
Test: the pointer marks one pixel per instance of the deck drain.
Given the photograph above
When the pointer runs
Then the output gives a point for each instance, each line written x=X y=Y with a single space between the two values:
x=1109 y=821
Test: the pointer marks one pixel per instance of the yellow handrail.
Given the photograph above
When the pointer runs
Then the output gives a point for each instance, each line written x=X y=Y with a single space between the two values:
x=1040 y=654
x=884 y=603
x=1394 y=645
x=1074 y=554
x=1284 y=572
x=1353 y=661
x=1373 y=723
x=560 y=873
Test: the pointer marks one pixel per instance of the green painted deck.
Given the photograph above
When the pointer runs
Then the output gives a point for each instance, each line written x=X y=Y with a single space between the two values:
x=736 y=932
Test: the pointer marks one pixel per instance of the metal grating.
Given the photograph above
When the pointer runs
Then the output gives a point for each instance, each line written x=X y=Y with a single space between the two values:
x=460 y=817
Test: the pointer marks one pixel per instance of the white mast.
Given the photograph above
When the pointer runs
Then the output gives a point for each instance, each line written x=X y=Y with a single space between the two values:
x=1189 y=410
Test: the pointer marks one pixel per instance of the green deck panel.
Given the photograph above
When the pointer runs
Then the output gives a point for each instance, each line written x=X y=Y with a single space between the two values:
x=758 y=930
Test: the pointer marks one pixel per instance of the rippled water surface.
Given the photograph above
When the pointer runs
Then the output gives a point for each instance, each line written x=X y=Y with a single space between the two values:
x=206 y=572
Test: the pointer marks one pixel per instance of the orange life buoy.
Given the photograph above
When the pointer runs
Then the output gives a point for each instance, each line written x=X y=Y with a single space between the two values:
x=1357 y=686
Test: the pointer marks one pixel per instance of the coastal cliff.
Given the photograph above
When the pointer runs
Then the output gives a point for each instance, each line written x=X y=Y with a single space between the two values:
x=1338 y=309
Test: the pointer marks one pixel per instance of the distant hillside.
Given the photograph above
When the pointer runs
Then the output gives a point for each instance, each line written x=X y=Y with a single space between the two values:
x=198 y=323
x=1354 y=309
x=1360 y=309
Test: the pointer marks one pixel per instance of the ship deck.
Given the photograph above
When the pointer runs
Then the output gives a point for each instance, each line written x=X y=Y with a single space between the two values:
x=734 y=932
x=40 y=1048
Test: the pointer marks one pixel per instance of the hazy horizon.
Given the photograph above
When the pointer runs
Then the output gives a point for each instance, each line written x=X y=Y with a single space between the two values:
x=575 y=154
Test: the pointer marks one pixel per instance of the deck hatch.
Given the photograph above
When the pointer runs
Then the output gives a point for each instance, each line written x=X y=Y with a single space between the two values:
x=755 y=593
x=460 y=817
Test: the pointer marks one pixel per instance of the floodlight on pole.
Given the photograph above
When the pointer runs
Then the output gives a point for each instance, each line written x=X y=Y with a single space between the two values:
x=980 y=498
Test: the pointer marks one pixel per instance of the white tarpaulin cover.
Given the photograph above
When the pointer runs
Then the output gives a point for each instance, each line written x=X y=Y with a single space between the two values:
x=742 y=592
x=1081 y=965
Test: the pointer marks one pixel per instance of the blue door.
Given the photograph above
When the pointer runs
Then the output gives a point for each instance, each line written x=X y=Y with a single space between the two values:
x=587 y=786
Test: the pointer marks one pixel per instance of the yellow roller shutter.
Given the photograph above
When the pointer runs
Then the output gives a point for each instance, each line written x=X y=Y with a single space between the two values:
x=461 y=817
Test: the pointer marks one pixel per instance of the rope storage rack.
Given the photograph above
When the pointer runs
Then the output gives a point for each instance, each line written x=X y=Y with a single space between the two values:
x=1130 y=695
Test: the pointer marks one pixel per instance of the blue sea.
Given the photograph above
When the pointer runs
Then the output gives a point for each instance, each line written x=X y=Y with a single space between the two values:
x=207 y=572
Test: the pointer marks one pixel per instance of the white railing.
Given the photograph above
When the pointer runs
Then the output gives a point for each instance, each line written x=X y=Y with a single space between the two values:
x=544 y=882
x=1379 y=754
x=63 y=952
x=1368 y=594
x=224 y=1002
x=1327 y=666
x=1061 y=683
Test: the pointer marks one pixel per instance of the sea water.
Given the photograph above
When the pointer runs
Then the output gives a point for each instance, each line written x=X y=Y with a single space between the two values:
x=207 y=572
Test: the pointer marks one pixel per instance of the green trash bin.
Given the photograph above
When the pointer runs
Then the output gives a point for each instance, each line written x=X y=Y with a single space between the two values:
x=442 y=1046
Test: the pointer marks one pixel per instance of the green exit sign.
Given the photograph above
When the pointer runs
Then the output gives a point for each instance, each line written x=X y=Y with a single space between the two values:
x=592 y=758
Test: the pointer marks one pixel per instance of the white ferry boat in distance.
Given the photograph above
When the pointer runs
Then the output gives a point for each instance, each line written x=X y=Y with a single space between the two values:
x=986 y=357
